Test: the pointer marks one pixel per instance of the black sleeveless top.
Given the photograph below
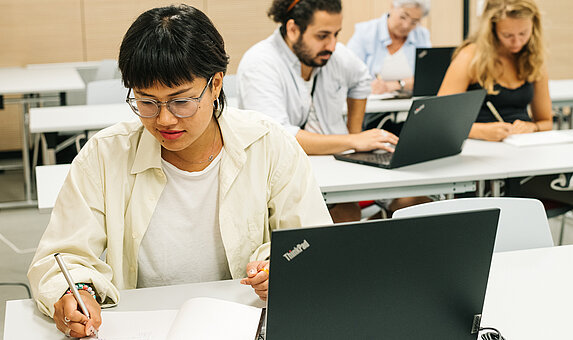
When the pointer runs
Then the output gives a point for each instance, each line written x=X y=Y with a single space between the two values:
x=511 y=104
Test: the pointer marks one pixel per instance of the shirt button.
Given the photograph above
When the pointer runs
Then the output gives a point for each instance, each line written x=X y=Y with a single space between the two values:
x=132 y=269
x=134 y=235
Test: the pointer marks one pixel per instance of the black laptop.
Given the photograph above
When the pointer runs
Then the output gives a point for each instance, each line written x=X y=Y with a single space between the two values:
x=436 y=127
x=430 y=68
x=411 y=278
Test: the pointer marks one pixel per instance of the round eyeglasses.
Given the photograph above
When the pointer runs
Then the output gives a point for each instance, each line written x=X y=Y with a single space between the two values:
x=179 y=107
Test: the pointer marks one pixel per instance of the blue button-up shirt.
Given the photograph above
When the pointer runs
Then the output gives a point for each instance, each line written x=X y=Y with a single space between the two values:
x=371 y=39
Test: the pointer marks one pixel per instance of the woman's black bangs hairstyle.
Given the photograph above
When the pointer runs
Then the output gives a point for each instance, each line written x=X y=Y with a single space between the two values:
x=302 y=12
x=170 y=46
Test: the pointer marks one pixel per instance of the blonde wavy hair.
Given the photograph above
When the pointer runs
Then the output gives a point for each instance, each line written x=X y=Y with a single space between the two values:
x=485 y=66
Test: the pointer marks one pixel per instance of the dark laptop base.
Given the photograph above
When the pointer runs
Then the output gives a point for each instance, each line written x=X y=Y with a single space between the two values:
x=416 y=278
x=436 y=127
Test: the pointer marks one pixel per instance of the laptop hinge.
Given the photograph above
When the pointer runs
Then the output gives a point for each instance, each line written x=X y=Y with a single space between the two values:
x=476 y=323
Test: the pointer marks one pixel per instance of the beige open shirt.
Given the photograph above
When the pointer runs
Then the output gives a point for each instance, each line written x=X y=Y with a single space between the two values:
x=109 y=196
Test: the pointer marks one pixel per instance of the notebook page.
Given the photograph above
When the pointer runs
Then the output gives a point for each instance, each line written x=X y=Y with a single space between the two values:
x=540 y=138
x=207 y=318
x=140 y=325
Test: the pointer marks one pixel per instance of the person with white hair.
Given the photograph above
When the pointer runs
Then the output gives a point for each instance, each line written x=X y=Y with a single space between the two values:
x=387 y=45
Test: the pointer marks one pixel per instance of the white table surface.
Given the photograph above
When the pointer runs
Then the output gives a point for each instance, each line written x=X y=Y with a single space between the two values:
x=343 y=181
x=348 y=182
x=78 y=117
x=529 y=297
x=22 y=80
x=560 y=91
x=23 y=314
x=49 y=181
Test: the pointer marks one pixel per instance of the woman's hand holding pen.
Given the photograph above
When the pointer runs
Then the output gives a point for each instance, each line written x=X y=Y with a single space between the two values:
x=380 y=86
x=493 y=132
x=258 y=278
x=70 y=320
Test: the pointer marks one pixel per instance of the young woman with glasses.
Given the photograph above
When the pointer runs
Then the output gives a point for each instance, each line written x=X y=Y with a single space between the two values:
x=189 y=193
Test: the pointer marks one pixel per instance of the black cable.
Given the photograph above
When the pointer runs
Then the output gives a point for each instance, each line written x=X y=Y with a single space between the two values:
x=491 y=334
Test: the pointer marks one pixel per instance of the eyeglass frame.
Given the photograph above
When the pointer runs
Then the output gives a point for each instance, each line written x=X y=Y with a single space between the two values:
x=159 y=104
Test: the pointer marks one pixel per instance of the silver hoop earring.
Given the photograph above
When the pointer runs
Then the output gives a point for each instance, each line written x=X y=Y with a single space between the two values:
x=216 y=107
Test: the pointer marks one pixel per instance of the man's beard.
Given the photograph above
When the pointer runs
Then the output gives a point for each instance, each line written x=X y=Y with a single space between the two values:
x=303 y=54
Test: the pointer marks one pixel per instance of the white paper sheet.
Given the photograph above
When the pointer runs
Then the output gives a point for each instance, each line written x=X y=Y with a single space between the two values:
x=540 y=138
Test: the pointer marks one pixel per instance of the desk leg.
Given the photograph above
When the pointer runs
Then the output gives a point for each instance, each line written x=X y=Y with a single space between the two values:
x=496 y=188
x=26 y=152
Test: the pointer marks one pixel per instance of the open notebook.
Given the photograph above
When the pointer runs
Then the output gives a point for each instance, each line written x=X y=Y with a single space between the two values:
x=540 y=138
x=198 y=318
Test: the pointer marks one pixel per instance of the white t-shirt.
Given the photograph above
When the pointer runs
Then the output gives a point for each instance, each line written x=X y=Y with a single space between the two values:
x=396 y=67
x=312 y=123
x=183 y=242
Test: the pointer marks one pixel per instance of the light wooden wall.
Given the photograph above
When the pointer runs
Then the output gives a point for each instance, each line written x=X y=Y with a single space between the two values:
x=557 y=26
x=85 y=30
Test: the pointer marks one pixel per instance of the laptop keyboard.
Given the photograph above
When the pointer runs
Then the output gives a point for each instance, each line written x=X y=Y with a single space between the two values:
x=380 y=158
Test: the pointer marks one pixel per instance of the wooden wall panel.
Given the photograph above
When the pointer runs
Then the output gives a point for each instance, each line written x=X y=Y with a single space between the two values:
x=242 y=24
x=39 y=32
x=106 y=21
x=557 y=24
x=353 y=12
x=445 y=22
x=10 y=129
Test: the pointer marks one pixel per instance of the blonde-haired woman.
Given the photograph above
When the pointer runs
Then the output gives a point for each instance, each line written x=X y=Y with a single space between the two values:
x=506 y=57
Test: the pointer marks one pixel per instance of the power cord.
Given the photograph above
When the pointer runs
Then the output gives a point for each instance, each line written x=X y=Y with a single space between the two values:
x=491 y=334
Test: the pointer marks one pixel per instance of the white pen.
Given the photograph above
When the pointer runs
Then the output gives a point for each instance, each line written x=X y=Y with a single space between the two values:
x=494 y=111
x=72 y=284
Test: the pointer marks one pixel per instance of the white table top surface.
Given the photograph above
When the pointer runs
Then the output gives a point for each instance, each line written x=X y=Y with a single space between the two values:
x=78 y=117
x=529 y=297
x=561 y=91
x=479 y=160
x=23 y=80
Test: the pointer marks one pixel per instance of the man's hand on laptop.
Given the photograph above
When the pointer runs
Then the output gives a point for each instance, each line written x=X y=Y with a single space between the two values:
x=374 y=139
x=258 y=278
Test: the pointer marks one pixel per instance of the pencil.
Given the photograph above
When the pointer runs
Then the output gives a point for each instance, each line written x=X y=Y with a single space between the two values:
x=494 y=111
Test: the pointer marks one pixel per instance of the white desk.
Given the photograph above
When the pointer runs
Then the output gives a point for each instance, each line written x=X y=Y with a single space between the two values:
x=20 y=81
x=78 y=117
x=348 y=182
x=560 y=91
x=23 y=314
x=49 y=181
x=529 y=297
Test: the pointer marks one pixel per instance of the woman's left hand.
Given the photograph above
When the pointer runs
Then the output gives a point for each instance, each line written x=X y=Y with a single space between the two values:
x=520 y=126
x=258 y=278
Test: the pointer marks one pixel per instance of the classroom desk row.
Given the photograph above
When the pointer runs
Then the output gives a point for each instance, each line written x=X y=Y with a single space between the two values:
x=27 y=85
x=348 y=182
x=528 y=297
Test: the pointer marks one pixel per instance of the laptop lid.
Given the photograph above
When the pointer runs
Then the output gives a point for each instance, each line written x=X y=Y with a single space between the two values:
x=436 y=127
x=429 y=70
x=412 y=278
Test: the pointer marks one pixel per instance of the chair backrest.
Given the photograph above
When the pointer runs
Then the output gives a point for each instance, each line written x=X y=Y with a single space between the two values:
x=107 y=69
x=522 y=221
x=108 y=91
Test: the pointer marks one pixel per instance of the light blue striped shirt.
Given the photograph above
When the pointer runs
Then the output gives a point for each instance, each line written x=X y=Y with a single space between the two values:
x=371 y=39
x=269 y=81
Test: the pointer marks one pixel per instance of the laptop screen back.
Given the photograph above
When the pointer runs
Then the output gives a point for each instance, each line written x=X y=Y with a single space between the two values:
x=430 y=68
x=414 y=278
